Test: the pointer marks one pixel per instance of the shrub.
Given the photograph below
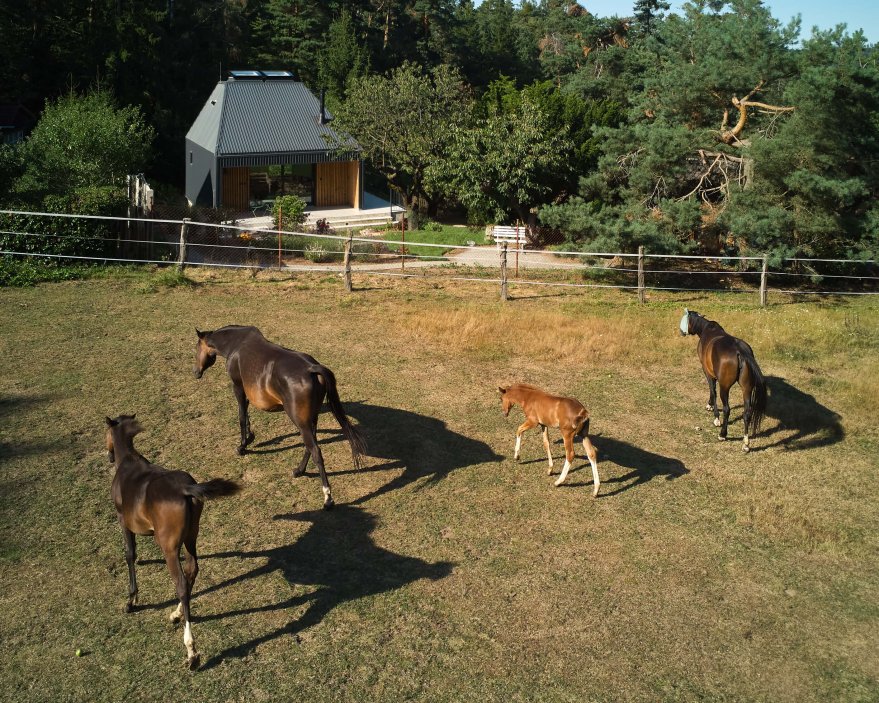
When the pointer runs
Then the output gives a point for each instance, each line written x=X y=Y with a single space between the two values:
x=291 y=209
x=322 y=226
x=66 y=236
x=28 y=272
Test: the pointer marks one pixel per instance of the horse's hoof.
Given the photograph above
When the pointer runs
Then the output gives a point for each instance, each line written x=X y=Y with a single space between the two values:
x=746 y=448
x=709 y=407
x=721 y=437
x=299 y=474
x=717 y=423
x=193 y=662
x=128 y=608
x=250 y=437
x=241 y=451
x=329 y=504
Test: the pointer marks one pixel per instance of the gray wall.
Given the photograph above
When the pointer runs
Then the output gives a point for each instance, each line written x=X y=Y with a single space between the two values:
x=202 y=185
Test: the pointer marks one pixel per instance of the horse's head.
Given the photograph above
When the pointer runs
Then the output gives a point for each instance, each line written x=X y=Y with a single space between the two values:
x=205 y=354
x=693 y=323
x=505 y=400
x=120 y=429
x=686 y=324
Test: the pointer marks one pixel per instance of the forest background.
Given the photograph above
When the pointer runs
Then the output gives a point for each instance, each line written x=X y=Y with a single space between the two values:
x=716 y=128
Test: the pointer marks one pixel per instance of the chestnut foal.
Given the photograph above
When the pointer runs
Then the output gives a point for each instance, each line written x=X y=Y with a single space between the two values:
x=568 y=414
x=150 y=500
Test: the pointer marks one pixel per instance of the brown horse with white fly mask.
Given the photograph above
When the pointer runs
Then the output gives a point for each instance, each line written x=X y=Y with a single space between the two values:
x=273 y=378
x=726 y=360
x=150 y=500
x=568 y=414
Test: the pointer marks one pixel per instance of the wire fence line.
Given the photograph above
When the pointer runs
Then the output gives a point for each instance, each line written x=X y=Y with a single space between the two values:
x=227 y=244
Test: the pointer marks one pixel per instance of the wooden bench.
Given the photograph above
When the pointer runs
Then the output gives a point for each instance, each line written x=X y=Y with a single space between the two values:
x=515 y=236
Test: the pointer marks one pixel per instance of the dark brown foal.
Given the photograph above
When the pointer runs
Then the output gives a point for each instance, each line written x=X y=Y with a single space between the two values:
x=273 y=378
x=151 y=500
x=568 y=414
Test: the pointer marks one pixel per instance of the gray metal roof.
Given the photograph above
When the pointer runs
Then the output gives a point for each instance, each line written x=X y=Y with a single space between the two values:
x=262 y=117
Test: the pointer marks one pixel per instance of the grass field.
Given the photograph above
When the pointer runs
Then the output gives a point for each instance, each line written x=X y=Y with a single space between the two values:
x=448 y=572
x=447 y=235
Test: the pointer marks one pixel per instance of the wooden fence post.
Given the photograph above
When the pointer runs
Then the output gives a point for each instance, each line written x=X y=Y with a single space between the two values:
x=641 y=297
x=504 y=272
x=280 y=220
x=348 y=246
x=403 y=239
x=181 y=253
x=517 y=248
x=763 y=282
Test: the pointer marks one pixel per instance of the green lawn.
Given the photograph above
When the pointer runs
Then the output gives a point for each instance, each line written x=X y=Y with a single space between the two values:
x=437 y=234
x=448 y=572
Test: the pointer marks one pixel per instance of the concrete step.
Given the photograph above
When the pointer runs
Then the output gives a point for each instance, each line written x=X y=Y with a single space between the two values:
x=349 y=221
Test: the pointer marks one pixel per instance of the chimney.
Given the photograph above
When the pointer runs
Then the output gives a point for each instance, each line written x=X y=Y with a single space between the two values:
x=323 y=113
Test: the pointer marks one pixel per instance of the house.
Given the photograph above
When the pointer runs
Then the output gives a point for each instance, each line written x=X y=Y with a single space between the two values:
x=262 y=134
x=16 y=121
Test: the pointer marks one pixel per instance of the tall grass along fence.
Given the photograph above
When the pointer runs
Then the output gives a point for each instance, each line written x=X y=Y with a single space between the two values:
x=188 y=242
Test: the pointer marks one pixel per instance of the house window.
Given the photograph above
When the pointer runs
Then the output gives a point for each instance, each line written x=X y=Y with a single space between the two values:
x=190 y=157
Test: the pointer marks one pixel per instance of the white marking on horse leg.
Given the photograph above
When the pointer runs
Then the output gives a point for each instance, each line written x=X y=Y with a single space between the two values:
x=709 y=406
x=561 y=479
x=746 y=444
x=595 y=479
x=518 y=445
x=191 y=654
x=717 y=422
x=176 y=615
x=327 y=497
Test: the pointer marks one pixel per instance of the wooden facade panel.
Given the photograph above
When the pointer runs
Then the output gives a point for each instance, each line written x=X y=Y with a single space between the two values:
x=236 y=188
x=338 y=184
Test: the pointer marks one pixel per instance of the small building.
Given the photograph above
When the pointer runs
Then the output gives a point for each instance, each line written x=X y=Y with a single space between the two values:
x=262 y=134
x=16 y=122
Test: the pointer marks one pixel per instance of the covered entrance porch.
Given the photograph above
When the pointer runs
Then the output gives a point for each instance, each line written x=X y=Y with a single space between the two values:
x=327 y=184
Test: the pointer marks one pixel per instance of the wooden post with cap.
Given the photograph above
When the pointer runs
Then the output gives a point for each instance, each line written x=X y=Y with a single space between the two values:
x=181 y=254
x=641 y=297
x=348 y=247
x=763 y=276
x=504 y=272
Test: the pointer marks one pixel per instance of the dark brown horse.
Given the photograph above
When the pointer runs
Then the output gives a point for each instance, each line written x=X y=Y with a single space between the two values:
x=568 y=414
x=151 y=500
x=727 y=360
x=273 y=378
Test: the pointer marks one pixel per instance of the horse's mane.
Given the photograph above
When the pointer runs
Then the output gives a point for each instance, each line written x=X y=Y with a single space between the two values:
x=237 y=327
x=707 y=322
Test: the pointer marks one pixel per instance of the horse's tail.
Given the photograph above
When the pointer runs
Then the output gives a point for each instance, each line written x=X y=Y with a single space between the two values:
x=215 y=488
x=352 y=434
x=758 y=389
x=582 y=420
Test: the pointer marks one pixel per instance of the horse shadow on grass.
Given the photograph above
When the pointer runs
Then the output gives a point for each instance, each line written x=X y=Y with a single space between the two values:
x=644 y=465
x=813 y=424
x=275 y=445
x=16 y=406
x=338 y=556
x=422 y=446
